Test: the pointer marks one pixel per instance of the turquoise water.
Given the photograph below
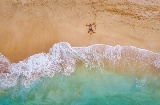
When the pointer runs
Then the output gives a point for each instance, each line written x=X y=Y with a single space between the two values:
x=86 y=87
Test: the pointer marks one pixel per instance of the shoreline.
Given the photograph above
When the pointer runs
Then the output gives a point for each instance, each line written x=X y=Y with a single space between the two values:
x=82 y=47
x=64 y=59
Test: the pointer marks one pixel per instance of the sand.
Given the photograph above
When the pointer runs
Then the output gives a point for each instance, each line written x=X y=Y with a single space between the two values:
x=29 y=27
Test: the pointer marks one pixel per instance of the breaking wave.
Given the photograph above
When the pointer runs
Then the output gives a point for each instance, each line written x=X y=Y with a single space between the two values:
x=62 y=58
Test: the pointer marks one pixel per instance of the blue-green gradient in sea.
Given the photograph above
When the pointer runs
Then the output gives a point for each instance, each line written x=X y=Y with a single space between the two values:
x=95 y=75
x=86 y=87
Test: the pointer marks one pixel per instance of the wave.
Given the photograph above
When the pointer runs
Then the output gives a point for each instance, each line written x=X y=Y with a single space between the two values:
x=62 y=58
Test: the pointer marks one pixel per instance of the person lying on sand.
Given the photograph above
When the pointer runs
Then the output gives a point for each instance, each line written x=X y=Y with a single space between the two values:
x=91 y=31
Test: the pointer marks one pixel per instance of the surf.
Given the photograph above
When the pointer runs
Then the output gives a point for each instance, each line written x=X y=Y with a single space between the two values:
x=96 y=74
x=62 y=58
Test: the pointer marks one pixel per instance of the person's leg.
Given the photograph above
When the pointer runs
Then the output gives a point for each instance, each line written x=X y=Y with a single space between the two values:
x=89 y=31
x=93 y=31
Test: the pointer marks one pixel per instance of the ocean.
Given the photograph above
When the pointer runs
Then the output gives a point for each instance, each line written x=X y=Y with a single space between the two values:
x=92 y=75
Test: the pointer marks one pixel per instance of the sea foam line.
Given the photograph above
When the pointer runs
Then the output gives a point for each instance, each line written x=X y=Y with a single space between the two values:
x=62 y=58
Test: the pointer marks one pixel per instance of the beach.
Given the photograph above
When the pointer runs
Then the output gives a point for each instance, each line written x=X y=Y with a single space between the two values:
x=49 y=55
x=31 y=27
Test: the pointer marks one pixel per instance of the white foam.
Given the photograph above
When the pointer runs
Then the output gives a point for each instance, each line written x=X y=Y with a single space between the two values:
x=4 y=64
x=62 y=58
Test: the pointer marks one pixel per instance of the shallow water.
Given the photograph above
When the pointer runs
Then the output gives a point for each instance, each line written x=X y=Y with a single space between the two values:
x=86 y=87
x=93 y=75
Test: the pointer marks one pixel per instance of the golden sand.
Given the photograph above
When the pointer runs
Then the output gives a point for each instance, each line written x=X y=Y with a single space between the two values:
x=28 y=27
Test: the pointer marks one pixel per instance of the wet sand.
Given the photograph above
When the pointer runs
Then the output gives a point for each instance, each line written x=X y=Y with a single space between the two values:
x=28 y=27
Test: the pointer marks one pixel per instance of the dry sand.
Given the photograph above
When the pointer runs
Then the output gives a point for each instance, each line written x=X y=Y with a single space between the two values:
x=28 y=27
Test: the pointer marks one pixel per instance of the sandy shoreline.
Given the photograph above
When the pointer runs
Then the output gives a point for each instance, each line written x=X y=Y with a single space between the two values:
x=31 y=27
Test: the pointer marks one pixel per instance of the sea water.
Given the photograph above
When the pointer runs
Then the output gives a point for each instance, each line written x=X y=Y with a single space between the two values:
x=94 y=75
x=86 y=87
